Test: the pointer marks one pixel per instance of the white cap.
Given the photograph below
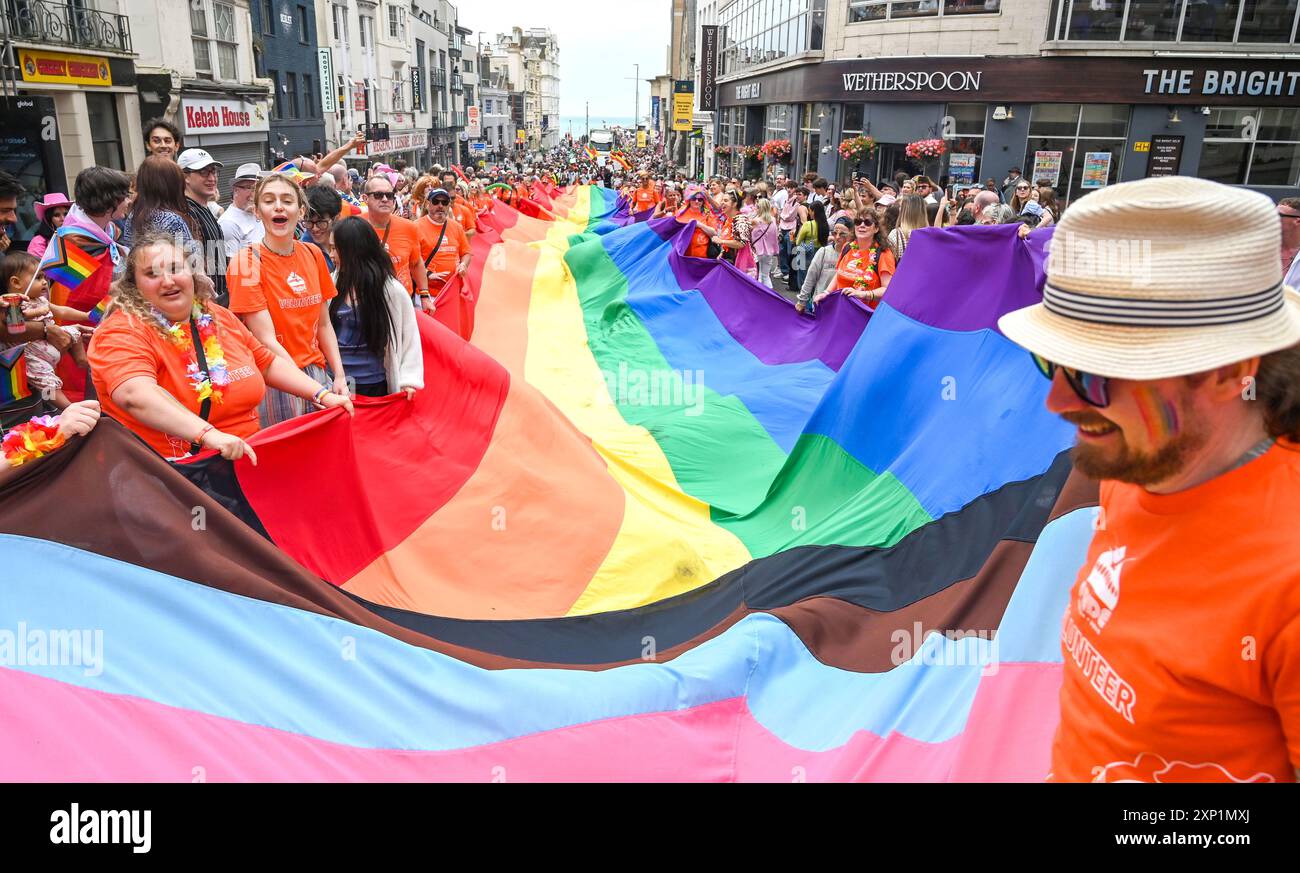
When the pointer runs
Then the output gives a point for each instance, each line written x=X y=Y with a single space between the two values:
x=196 y=159
x=248 y=171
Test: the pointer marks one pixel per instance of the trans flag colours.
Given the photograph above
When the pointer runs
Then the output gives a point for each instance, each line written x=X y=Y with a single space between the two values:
x=646 y=523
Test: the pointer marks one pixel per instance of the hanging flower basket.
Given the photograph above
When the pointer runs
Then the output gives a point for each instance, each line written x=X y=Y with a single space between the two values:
x=857 y=148
x=778 y=150
x=753 y=152
x=926 y=149
x=722 y=150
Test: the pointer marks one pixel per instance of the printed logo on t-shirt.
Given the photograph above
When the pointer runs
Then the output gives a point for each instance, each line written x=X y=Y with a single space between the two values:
x=1150 y=767
x=238 y=373
x=297 y=283
x=1099 y=593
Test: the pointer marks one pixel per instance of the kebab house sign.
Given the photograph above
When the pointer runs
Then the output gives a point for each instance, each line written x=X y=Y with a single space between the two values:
x=224 y=116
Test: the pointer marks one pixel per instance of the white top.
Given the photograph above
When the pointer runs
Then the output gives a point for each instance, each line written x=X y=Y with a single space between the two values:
x=241 y=229
x=404 y=355
x=1293 y=273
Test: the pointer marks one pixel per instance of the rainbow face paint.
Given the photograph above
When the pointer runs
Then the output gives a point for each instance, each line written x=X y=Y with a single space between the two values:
x=1159 y=415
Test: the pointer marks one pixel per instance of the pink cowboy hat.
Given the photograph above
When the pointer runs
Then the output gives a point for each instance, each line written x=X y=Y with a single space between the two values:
x=50 y=201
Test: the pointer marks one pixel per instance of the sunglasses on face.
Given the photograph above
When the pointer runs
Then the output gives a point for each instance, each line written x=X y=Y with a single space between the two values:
x=865 y=222
x=440 y=201
x=1093 y=390
x=1022 y=187
x=382 y=195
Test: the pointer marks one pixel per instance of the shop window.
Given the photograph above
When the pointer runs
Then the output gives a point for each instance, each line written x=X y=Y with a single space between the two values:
x=897 y=10
x=967 y=118
x=964 y=134
x=1193 y=21
x=1252 y=146
x=810 y=138
x=105 y=135
x=1091 y=135
x=854 y=115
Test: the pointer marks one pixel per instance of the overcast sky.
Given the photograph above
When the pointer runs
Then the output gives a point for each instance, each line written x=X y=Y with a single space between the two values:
x=599 y=43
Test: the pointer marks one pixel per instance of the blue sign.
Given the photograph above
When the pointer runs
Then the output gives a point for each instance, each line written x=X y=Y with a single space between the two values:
x=478 y=147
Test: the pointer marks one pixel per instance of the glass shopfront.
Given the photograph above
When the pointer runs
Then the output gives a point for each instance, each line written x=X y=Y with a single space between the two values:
x=1240 y=22
x=1063 y=136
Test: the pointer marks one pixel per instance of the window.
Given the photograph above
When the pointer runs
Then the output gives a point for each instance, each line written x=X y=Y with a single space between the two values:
x=291 y=90
x=227 y=40
x=810 y=137
x=367 y=29
x=964 y=134
x=398 y=103
x=396 y=21
x=1242 y=22
x=268 y=17
x=277 y=102
x=417 y=94
x=199 y=37
x=897 y=10
x=304 y=26
x=308 y=98
x=1077 y=132
x=1247 y=146
x=105 y=134
x=341 y=25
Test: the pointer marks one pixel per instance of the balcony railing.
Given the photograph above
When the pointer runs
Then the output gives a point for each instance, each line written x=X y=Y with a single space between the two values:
x=439 y=79
x=53 y=23
x=457 y=83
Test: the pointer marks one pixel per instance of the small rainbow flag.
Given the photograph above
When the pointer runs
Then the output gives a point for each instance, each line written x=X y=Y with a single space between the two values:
x=13 y=375
x=67 y=263
x=96 y=315
x=290 y=169
x=620 y=159
x=591 y=153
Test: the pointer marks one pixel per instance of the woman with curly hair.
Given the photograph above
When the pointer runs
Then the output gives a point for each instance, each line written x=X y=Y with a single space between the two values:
x=179 y=370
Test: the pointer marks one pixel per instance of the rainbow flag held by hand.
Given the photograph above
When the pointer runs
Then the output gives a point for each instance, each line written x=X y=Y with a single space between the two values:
x=13 y=375
x=96 y=315
x=591 y=153
x=290 y=169
x=68 y=262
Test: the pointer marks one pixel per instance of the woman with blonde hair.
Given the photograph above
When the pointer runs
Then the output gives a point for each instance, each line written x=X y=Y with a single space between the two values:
x=763 y=240
x=179 y=370
x=911 y=216
x=281 y=288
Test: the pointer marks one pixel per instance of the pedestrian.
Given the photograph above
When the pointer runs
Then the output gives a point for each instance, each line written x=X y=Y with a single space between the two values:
x=323 y=208
x=866 y=265
x=239 y=225
x=1010 y=184
x=181 y=371
x=1288 y=211
x=280 y=288
x=731 y=235
x=812 y=235
x=397 y=235
x=372 y=316
x=821 y=272
x=50 y=212
x=160 y=206
x=443 y=249
x=911 y=217
x=162 y=138
x=1181 y=632
x=790 y=218
x=1020 y=195
x=201 y=171
x=763 y=236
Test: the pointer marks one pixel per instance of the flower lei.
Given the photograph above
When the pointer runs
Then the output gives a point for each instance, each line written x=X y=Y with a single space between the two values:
x=32 y=439
x=213 y=382
x=869 y=272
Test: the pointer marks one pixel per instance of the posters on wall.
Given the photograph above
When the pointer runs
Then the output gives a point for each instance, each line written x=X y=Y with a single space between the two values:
x=1047 y=168
x=1096 y=170
x=961 y=168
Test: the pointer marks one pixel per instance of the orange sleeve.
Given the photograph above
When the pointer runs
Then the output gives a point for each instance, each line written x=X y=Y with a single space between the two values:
x=243 y=281
x=414 y=259
x=887 y=264
x=1282 y=671
x=120 y=352
x=462 y=243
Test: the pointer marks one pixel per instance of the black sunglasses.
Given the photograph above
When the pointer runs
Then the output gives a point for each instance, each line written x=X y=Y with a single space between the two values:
x=865 y=222
x=1093 y=390
x=440 y=200
x=382 y=195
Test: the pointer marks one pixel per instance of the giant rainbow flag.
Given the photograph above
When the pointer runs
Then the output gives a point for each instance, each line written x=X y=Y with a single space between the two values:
x=646 y=524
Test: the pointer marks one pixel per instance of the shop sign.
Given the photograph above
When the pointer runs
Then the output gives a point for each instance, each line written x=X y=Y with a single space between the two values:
x=223 y=116
x=1166 y=155
x=325 y=70
x=401 y=142
x=64 y=69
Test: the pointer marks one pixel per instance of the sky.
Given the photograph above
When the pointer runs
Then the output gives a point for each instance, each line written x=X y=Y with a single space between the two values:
x=599 y=43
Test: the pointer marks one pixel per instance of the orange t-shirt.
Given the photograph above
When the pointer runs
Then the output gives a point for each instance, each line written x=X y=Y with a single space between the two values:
x=644 y=198
x=1182 y=636
x=853 y=265
x=482 y=203
x=292 y=288
x=699 y=246
x=465 y=215
x=125 y=347
x=454 y=246
x=403 y=247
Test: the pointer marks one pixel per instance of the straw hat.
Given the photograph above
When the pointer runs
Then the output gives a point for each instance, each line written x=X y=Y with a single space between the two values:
x=1161 y=277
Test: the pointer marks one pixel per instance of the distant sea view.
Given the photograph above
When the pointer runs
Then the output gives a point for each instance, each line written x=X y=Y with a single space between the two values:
x=579 y=122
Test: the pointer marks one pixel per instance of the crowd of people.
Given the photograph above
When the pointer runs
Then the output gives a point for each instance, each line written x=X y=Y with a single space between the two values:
x=201 y=324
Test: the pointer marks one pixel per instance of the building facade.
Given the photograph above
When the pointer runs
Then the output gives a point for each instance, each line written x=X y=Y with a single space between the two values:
x=530 y=60
x=1077 y=93
x=68 y=95
x=285 y=52
x=208 y=84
